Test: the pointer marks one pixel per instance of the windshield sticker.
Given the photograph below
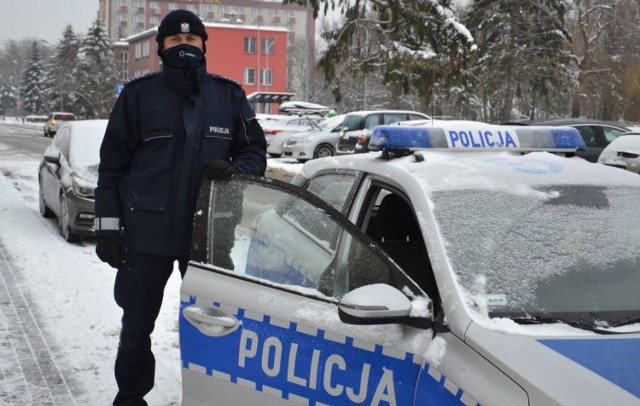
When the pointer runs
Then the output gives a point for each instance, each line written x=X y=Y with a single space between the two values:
x=496 y=299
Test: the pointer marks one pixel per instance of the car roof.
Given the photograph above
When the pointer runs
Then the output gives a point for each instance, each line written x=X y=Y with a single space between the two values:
x=365 y=112
x=568 y=122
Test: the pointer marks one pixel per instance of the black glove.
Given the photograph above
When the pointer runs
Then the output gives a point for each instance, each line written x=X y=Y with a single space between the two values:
x=110 y=250
x=219 y=170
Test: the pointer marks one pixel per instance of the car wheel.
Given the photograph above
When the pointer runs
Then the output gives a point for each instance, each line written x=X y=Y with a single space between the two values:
x=323 y=150
x=63 y=222
x=45 y=211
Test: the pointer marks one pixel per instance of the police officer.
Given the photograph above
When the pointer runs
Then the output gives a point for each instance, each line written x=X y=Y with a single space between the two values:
x=165 y=130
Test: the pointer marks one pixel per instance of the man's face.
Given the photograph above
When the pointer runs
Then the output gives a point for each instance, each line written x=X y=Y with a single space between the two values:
x=179 y=39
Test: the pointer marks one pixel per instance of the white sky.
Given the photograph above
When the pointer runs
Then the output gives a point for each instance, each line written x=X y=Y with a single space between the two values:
x=44 y=19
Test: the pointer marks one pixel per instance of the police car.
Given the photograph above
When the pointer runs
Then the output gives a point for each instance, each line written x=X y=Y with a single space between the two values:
x=461 y=265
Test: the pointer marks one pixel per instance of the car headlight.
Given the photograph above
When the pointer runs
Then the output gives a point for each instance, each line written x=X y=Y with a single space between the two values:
x=82 y=189
x=308 y=138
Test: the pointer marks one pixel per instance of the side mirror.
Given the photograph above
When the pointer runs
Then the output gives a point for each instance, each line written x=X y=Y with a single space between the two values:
x=52 y=157
x=374 y=304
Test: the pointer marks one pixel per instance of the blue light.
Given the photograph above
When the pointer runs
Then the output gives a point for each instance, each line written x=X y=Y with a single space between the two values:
x=477 y=137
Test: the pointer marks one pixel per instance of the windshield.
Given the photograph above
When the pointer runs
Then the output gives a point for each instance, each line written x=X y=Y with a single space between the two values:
x=565 y=251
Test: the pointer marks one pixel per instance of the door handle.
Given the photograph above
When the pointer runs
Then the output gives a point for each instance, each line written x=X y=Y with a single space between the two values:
x=210 y=321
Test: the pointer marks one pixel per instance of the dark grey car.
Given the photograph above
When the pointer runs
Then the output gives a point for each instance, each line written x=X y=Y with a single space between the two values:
x=595 y=133
x=68 y=175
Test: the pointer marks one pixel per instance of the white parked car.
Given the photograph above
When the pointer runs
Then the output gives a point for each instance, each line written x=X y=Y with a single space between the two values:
x=458 y=266
x=623 y=152
x=318 y=142
x=277 y=132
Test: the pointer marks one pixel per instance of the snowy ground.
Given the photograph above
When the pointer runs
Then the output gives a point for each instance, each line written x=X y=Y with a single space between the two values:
x=74 y=290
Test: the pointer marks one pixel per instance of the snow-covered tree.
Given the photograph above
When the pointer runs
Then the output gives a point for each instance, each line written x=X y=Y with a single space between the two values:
x=411 y=45
x=523 y=64
x=60 y=81
x=95 y=73
x=33 y=95
x=8 y=97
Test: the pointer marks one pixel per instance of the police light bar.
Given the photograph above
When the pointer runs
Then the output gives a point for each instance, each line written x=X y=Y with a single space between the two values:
x=476 y=138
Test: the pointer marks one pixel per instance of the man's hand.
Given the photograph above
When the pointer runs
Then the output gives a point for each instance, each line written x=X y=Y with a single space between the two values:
x=110 y=250
x=219 y=170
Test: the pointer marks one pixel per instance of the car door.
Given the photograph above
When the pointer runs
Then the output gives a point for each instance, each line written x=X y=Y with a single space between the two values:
x=259 y=319
x=52 y=169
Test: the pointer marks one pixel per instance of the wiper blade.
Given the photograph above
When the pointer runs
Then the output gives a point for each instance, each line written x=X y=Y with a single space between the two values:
x=627 y=322
x=573 y=323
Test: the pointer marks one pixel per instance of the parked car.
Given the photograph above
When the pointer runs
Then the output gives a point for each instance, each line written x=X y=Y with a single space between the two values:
x=277 y=132
x=68 y=175
x=457 y=266
x=358 y=125
x=319 y=142
x=54 y=121
x=623 y=152
x=595 y=133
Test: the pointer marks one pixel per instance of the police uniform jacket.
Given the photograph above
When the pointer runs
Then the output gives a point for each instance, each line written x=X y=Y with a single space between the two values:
x=162 y=130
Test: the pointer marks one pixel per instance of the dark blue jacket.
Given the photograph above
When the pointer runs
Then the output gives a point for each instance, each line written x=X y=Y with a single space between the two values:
x=162 y=130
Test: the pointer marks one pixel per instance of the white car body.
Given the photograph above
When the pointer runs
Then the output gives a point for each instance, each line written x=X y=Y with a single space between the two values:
x=277 y=132
x=524 y=289
x=623 y=152
x=315 y=143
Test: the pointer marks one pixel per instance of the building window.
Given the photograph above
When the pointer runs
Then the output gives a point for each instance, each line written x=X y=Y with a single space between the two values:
x=249 y=76
x=249 y=45
x=154 y=4
x=267 y=46
x=137 y=51
x=255 y=12
x=173 y=6
x=273 y=13
x=155 y=20
x=145 y=49
x=266 y=76
x=192 y=8
x=288 y=14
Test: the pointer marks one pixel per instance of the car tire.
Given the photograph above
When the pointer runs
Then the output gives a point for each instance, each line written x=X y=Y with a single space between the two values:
x=275 y=155
x=323 y=150
x=302 y=160
x=63 y=222
x=45 y=211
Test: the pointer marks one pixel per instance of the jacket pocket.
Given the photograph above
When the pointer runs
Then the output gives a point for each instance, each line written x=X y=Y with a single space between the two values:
x=156 y=133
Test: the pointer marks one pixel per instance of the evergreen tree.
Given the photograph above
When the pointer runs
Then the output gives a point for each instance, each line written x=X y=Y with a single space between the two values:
x=33 y=95
x=60 y=82
x=95 y=73
x=522 y=63
x=411 y=45
x=8 y=98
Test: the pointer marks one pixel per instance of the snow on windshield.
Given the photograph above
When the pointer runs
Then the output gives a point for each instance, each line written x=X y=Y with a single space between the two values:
x=565 y=249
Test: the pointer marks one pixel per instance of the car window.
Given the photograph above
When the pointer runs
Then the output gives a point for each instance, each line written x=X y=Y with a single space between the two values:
x=292 y=239
x=588 y=135
x=611 y=133
x=352 y=123
x=67 y=117
x=413 y=117
x=372 y=121
x=389 y=219
x=390 y=118
x=333 y=188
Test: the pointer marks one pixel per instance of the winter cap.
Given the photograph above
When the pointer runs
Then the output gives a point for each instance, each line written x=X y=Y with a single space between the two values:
x=180 y=22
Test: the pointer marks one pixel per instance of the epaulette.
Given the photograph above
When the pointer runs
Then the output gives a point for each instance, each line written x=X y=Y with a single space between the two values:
x=141 y=78
x=220 y=77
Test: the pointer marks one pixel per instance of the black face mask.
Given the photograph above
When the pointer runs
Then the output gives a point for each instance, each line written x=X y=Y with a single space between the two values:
x=184 y=56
